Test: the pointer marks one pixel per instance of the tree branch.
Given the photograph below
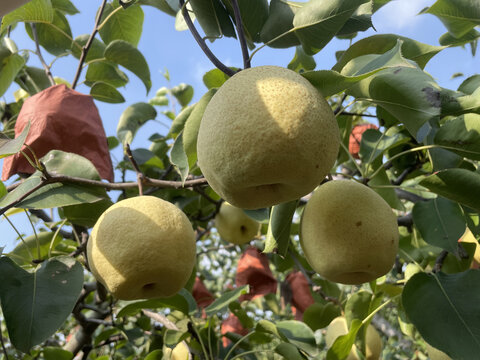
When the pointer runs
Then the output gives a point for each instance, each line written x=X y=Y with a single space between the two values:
x=140 y=175
x=86 y=47
x=202 y=43
x=241 y=34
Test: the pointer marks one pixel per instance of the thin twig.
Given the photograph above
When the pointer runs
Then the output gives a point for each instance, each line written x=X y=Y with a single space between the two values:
x=358 y=114
x=202 y=43
x=439 y=261
x=241 y=34
x=140 y=175
x=40 y=56
x=86 y=47
x=162 y=319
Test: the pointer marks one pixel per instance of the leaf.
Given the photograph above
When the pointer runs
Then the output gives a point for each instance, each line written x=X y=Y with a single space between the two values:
x=182 y=301
x=169 y=7
x=183 y=93
x=317 y=316
x=469 y=85
x=213 y=18
x=55 y=36
x=178 y=157
x=96 y=50
x=32 y=79
x=379 y=44
x=56 y=353
x=288 y=351
x=298 y=334
x=123 y=53
x=458 y=16
x=226 y=298
x=374 y=143
x=343 y=344
x=215 y=78
x=24 y=250
x=358 y=306
x=237 y=310
x=11 y=66
x=86 y=214
x=105 y=72
x=36 y=304
x=455 y=296
x=279 y=22
x=302 y=62
x=361 y=20
x=65 y=6
x=461 y=135
x=317 y=22
x=254 y=13
x=107 y=93
x=459 y=185
x=12 y=146
x=57 y=194
x=266 y=326
x=124 y=24
x=132 y=119
x=190 y=131
x=36 y=11
x=448 y=39
x=179 y=122
x=278 y=235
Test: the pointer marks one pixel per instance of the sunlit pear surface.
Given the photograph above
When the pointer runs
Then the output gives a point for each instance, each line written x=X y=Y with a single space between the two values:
x=373 y=341
x=266 y=137
x=349 y=234
x=142 y=247
x=179 y=352
x=234 y=226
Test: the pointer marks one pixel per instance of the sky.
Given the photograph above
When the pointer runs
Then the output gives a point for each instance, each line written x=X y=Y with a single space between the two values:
x=167 y=49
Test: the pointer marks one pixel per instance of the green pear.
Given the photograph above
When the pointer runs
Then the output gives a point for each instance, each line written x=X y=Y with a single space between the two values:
x=234 y=226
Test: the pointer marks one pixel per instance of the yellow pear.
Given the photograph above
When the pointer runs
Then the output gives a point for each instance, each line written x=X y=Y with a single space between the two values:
x=266 y=137
x=436 y=354
x=234 y=226
x=142 y=247
x=179 y=352
x=373 y=341
x=348 y=233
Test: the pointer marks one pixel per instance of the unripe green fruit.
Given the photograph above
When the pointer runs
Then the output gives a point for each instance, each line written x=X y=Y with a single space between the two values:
x=234 y=226
x=348 y=233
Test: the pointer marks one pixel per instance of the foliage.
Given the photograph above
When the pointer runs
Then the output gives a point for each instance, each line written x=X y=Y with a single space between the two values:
x=423 y=160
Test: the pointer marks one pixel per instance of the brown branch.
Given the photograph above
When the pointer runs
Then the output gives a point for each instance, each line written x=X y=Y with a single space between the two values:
x=241 y=34
x=202 y=43
x=439 y=261
x=140 y=175
x=162 y=319
x=86 y=47
x=40 y=56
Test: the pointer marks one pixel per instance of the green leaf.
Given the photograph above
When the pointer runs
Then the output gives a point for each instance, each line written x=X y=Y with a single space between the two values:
x=279 y=22
x=55 y=37
x=215 y=78
x=132 y=119
x=12 y=146
x=65 y=6
x=379 y=44
x=469 y=85
x=183 y=302
x=169 y=7
x=22 y=253
x=125 y=54
x=458 y=16
x=105 y=72
x=86 y=214
x=317 y=22
x=374 y=143
x=11 y=66
x=266 y=326
x=183 y=93
x=459 y=185
x=237 y=310
x=288 y=351
x=298 y=334
x=226 y=298
x=302 y=62
x=96 y=50
x=455 y=297
x=56 y=353
x=178 y=157
x=107 y=93
x=358 y=306
x=343 y=344
x=124 y=24
x=190 y=131
x=32 y=79
x=461 y=135
x=36 y=304
x=361 y=20
x=36 y=11
x=455 y=103
x=179 y=122
x=54 y=195
x=213 y=18
x=254 y=13
x=155 y=354
x=448 y=39
x=318 y=316
x=278 y=235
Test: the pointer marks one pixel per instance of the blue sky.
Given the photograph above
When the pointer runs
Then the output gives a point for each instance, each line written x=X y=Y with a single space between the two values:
x=165 y=48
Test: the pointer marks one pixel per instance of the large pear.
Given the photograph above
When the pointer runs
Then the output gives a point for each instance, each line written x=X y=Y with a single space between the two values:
x=348 y=233
x=142 y=247
x=373 y=341
x=267 y=136
x=234 y=226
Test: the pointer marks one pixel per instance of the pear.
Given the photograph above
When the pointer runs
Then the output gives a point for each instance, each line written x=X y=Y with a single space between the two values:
x=234 y=226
